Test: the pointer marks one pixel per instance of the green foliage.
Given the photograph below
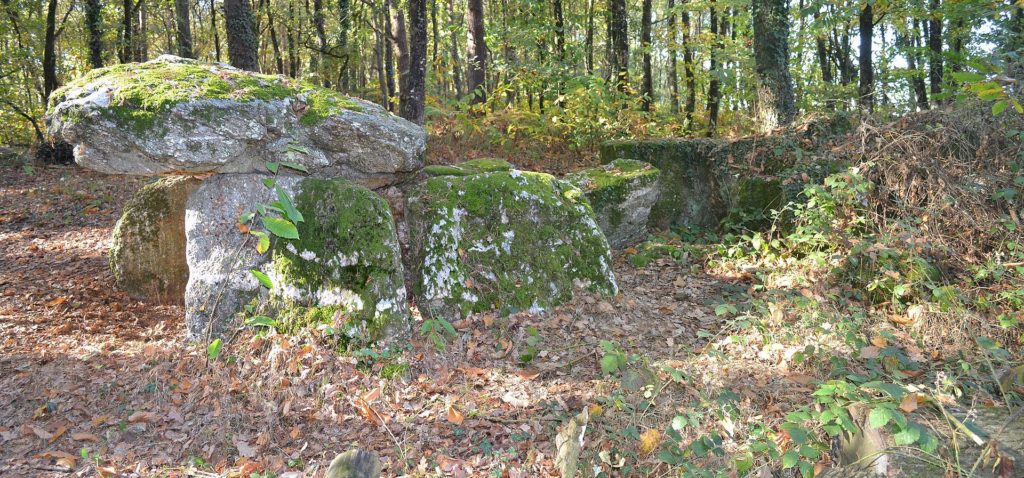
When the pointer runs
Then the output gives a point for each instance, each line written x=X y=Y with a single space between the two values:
x=438 y=331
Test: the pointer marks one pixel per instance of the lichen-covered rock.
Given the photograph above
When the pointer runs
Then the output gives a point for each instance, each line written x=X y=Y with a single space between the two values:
x=344 y=269
x=503 y=240
x=621 y=193
x=147 y=251
x=175 y=115
x=473 y=166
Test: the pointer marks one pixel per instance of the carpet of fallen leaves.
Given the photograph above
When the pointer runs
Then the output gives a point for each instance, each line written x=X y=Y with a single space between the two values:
x=95 y=383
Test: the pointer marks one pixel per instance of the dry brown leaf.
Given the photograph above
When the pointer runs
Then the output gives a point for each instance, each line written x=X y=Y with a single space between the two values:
x=141 y=416
x=82 y=436
x=869 y=352
x=371 y=395
x=57 y=433
x=879 y=341
x=909 y=402
x=528 y=373
x=455 y=416
x=58 y=301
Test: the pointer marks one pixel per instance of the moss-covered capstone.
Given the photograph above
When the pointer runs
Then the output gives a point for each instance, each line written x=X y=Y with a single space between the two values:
x=465 y=168
x=344 y=270
x=621 y=193
x=505 y=240
x=177 y=115
x=147 y=250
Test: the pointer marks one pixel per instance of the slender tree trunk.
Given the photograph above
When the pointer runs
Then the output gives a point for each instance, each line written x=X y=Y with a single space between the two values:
x=241 y=35
x=401 y=49
x=456 y=21
x=688 y=71
x=866 y=86
x=775 y=105
x=436 y=30
x=645 y=48
x=824 y=64
x=673 y=60
x=94 y=23
x=184 y=28
x=141 y=33
x=344 y=25
x=556 y=7
x=290 y=34
x=216 y=34
x=413 y=96
x=477 y=52
x=274 y=42
x=589 y=42
x=316 y=58
x=127 y=45
x=50 y=52
x=914 y=62
x=935 y=47
x=714 y=91
x=619 y=31
x=378 y=54
x=389 y=55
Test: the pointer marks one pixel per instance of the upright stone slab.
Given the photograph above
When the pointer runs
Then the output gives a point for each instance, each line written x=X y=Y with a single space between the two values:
x=173 y=115
x=621 y=193
x=344 y=270
x=506 y=240
x=147 y=251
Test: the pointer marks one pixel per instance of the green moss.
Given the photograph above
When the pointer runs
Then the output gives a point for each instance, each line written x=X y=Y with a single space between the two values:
x=607 y=188
x=503 y=240
x=345 y=262
x=475 y=166
x=393 y=370
x=752 y=200
x=143 y=92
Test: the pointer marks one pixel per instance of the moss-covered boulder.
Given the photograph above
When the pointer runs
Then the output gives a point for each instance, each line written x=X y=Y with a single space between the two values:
x=752 y=201
x=344 y=271
x=473 y=166
x=621 y=193
x=506 y=240
x=173 y=115
x=147 y=250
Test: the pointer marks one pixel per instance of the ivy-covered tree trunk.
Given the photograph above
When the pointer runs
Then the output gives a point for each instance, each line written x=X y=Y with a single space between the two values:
x=241 y=35
x=477 y=52
x=775 y=105
x=645 y=48
x=866 y=85
x=618 y=29
x=184 y=28
x=414 y=94
x=94 y=24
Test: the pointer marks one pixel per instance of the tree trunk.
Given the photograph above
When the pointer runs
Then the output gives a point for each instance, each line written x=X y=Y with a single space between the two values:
x=216 y=34
x=477 y=52
x=94 y=23
x=378 y=55
x=935 y=47
x=914 y=62
x=673 y=60
x=589 y=42
x=184 y=30
x=278 y=61
x=436 y=31
x=241 y=36
x=141 y=34
x=645 y=48
x=50 y=52
x=413 y=96
x=401 y=49
x=775 y=105
x=556 y=8
x=344 y=25
x=389 y=55
x=866 y=86
x=714 y=92
x=691 y=81
x=315 y=58
x=127 y=46
x=456 y=63
x=619 y=29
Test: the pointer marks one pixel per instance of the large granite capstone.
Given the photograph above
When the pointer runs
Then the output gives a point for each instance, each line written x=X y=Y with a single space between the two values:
x=621 y=193
x=344 y=271
x=503 y=240
x=173 y=115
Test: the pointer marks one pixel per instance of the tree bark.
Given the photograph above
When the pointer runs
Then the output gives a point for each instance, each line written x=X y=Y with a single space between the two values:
x=618 y=30
x=184 y=28
x=775 y=105
x=413 y=96
x=935 y=47
x=673 y=60
x=216 y=34
x=315 y=58
x=589 y=42
x=647 y=89
x=274 y=42
x=389 y=55
x=50 y=52
x=94 y=23
x=454 y=46
x=714 y=88
x=866 y=85
x=124 y=54
x=241 y=35
x=477 y=52
x=344 y=27
x=691 y=81
x=914 y=62
x=401 y=49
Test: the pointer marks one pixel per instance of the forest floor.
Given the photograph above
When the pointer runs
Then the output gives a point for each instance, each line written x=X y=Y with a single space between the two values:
x=93 y=382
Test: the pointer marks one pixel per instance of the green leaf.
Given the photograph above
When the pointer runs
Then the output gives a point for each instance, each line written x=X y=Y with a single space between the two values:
x=298 y=149
x=908 y=435
x=289 y=208
x=264 y=241
x=213 y=350
x=264 y=280
x=967 y=77
x=268 y=182
x=679 y=423
x=281 y=227
x=609 y=364
x=789 y=459
x=261 y=321
x=998 y=107
x=809 y=452
x=272 y=166
x=246 y=217
x=879 y=417
x=295 y=166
